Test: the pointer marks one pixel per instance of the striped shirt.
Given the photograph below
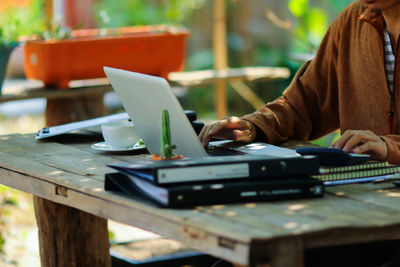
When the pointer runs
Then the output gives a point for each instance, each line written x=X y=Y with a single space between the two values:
x=389 y=61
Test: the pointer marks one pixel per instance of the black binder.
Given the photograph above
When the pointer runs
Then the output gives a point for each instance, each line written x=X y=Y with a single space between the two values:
x=214 y=169
x=186 y=195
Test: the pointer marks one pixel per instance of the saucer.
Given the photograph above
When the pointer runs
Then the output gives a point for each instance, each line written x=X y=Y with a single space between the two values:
x=102 y=146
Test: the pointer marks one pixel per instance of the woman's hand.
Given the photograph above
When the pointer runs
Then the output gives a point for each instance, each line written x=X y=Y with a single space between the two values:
x=232 y=128
x=362 y=142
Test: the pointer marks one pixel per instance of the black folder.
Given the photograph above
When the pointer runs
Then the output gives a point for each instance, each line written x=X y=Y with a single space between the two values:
x=218 y=168
x=230 y=191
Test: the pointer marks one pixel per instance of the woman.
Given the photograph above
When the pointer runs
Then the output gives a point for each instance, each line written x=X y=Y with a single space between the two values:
x=352 y=84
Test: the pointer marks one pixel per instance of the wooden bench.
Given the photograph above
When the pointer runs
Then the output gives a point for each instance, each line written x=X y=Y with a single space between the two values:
x=236 y=78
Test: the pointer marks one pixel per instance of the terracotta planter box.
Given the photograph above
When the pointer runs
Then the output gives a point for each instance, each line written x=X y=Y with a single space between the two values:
x=150 y=50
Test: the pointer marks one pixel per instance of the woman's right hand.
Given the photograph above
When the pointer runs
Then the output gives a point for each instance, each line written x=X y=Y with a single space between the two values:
x=232 y=128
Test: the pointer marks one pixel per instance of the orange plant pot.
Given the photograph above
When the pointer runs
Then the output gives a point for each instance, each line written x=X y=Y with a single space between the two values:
x=159 y=157
x=148 y=49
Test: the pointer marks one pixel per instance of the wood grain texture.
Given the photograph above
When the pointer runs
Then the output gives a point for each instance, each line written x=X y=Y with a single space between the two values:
x=63 y=110
x=51 y=93
x=203 y=77
x=69 y=237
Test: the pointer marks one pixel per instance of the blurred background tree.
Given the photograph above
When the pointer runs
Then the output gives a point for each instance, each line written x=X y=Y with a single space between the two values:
x=260 y=33
x=21 y=17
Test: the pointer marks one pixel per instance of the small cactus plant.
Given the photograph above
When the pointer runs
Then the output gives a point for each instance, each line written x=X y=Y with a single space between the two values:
x=166 y=146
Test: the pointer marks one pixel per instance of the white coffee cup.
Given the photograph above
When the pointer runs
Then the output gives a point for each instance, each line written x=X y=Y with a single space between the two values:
x=120 y=134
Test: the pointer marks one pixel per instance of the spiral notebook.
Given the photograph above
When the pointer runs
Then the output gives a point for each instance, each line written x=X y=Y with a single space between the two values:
x=370 y=171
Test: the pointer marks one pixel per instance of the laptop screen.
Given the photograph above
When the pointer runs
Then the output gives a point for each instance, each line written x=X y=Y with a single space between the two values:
x=144 y=97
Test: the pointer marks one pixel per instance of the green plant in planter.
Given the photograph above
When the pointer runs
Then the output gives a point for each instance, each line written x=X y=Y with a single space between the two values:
x=56 y=32
x=166 y=146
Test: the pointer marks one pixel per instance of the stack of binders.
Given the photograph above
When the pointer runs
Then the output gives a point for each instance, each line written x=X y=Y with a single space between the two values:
x=217 y=180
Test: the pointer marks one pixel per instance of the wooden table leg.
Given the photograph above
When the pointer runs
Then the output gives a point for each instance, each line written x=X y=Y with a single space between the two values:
x=70 y=109
x=287 y=253
x=279 y=253
x=68 y=236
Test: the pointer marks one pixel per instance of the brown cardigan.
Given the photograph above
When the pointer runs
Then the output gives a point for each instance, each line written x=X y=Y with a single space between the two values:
x=344 y=87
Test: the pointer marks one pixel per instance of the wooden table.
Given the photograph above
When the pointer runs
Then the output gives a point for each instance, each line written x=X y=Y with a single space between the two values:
x=67 y=171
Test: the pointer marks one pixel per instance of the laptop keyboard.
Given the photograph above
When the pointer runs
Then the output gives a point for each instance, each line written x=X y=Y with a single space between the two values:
x=222 y=151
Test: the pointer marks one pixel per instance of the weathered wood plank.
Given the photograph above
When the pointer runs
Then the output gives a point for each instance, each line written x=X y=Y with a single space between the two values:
x=303 y=216
x=196 y=78
x=52 y=93
x=385 y=194
x=46 y=172
x=350 y=235
x=62 y=157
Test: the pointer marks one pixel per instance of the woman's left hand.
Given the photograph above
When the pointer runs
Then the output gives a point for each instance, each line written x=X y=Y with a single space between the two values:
x=362 y=142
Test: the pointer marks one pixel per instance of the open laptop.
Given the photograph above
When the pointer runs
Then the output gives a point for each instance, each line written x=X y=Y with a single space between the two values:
x=144 y=97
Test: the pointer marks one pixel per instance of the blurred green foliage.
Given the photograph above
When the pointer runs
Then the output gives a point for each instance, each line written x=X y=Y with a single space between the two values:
x=311 y=23
x=17 y=21
x=7 y=197
x=117 y=13
x=312 y=20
